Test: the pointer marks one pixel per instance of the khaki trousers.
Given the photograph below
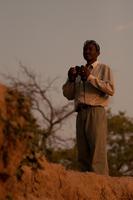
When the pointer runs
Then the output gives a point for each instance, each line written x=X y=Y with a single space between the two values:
x=91 y=132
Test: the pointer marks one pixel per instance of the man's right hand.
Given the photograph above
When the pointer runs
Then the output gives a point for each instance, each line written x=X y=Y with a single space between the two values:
x=72 y=74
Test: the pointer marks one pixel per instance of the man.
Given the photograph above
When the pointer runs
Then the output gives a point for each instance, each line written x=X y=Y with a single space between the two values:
x=90 y=87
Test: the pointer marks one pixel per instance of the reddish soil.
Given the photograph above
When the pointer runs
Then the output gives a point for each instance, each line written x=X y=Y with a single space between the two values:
x=47 y=181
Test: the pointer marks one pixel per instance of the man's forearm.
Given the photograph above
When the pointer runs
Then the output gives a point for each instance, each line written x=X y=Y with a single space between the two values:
x=105 y=86
x=105 y=83
x=69 y=90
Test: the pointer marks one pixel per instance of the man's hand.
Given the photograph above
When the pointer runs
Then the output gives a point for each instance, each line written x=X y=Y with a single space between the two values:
x=84 y=73
x=72 y=74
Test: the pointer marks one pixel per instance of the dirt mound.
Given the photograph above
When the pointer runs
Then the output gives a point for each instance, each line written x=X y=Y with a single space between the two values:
x=53 y=182
x=25 y=175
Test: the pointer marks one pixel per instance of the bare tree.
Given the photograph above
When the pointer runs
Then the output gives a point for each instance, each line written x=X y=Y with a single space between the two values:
x=49 y=116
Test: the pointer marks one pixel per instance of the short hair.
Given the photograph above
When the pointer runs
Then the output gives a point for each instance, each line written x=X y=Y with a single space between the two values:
x=87 y=42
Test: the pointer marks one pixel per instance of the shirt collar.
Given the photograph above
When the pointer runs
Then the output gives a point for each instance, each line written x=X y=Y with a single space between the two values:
x=95 y=64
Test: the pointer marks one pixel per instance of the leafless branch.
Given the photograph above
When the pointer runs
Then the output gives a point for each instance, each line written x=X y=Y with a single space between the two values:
x=51 y=116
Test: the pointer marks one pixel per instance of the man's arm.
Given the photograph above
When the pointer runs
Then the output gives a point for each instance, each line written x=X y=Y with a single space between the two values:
x=69 y=86
x=105 y=84
x=69 y=90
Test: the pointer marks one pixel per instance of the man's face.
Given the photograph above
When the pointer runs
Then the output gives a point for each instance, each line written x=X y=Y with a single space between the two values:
x=90 y=53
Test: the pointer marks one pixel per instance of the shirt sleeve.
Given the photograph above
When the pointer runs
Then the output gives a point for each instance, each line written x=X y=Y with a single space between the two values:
x=69 y=90
x=105 y=83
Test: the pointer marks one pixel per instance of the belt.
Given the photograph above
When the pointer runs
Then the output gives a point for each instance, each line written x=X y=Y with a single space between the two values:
x=84 y=106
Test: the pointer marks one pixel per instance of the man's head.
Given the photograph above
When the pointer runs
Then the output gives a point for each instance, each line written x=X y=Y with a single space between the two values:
x=91 y=50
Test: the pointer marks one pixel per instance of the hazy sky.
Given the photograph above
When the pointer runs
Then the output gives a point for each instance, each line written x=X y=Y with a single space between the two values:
x=48 y=36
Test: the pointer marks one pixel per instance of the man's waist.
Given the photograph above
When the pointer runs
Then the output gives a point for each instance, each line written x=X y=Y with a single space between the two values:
x=81 y=106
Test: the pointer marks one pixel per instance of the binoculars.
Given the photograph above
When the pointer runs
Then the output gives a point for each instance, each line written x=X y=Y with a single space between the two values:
x=80 y=71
